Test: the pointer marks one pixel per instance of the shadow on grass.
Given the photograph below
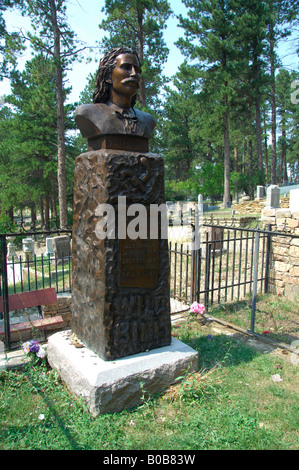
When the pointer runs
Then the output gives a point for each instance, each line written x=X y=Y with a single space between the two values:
x=221 y=350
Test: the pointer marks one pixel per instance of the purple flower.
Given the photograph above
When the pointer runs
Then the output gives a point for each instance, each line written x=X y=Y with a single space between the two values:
x=34 y=346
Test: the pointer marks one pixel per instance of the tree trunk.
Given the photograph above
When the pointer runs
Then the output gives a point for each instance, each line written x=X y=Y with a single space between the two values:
x=250 y=164
x=226 y=198
x=61 y=154
x=236 y=156
x=284 y=175
x=33 y=215
x=259 y=141
x=47 y=211
x=41 y=205
x=243 y=157
x=266 y=146
x=258 y=126
x=273 y=105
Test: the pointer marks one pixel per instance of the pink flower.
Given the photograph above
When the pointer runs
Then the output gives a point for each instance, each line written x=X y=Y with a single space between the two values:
x=197 y=308
x=266 y=332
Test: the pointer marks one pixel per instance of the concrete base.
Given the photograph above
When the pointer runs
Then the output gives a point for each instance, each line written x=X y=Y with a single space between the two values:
x=112 y=386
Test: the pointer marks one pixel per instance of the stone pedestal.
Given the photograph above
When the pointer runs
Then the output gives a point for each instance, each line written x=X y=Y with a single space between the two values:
x=112 y=386
x=120 y=293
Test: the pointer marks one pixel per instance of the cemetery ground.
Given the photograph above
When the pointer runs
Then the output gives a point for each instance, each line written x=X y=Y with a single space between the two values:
x=244 y=397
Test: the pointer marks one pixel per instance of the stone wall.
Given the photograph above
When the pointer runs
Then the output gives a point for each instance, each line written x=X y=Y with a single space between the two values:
x=63 y=308
x=284 y=259
x=256 y=206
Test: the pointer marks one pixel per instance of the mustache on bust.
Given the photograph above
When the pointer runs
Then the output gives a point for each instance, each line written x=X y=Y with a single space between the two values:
x=131 y=79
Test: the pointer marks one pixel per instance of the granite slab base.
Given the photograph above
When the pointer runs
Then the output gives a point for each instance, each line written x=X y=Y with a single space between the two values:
x=112 y=386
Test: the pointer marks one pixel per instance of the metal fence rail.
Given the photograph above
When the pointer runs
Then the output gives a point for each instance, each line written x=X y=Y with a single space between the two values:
x=221 y=267
x=229 y=264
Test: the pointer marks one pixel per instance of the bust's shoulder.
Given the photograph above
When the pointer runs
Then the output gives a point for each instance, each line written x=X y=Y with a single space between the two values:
x=90 y=109
x=145 y=117
x=92 y=119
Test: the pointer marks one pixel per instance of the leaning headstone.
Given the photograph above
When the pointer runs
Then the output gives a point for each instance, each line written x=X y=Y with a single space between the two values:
x=294 y=200
x=260 y=192
x=273 y=197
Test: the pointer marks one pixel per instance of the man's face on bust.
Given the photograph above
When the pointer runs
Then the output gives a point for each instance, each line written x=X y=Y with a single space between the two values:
x=125 y=77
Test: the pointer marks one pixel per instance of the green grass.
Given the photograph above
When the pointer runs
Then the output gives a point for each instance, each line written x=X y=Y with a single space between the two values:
x=278 y=316
x=232 y=403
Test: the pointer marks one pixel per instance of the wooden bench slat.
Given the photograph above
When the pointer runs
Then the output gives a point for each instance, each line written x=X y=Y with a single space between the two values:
x=41 y=323
x=30 y=299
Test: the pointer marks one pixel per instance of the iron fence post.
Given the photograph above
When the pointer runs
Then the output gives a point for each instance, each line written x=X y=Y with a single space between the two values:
x=267 y=263
x=207 y=272
x=5 y=293
x=193 y=267
x=255 y=277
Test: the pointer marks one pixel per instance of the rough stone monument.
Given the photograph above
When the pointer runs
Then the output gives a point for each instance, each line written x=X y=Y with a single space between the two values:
x=120 y=293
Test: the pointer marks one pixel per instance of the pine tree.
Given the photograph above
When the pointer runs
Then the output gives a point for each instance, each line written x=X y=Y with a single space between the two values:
x=28 y=150
x=10 y=43
x=54 y=36
x=209 y=39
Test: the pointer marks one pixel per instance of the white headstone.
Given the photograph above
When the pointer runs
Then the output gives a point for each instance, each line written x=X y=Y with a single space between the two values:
x=294 y=200
x=49 y=247
x=11 y=251
x=273 y=197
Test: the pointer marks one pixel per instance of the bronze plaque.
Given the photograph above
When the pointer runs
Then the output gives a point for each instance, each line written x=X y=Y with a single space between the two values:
x=139 y=263
x=128 y=143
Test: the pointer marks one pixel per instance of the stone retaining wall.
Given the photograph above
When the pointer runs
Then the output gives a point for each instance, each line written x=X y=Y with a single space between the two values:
x=61 y=307
x=284 y=260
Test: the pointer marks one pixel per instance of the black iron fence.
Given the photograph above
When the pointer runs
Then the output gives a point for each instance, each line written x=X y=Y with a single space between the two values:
x=210 y=263
x=222 y=266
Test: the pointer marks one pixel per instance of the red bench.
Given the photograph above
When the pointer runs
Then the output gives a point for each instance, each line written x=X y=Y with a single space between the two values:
x=31 y=299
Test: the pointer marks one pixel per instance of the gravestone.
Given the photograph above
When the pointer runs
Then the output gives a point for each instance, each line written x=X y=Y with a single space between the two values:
x=294 y=200
x=28 y=248
x=120 y=292
x=49 y=247
x=11 y=250
x=61 y=247
x=273 y=197
x=260 y=192
x=212 y=241
x=120 y=262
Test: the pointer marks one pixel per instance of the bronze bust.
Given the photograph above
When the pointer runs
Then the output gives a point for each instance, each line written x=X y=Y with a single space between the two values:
x=112 y=121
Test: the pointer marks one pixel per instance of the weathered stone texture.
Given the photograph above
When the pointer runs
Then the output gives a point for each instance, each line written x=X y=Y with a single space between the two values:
x=112 y=319
x=284 y=265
